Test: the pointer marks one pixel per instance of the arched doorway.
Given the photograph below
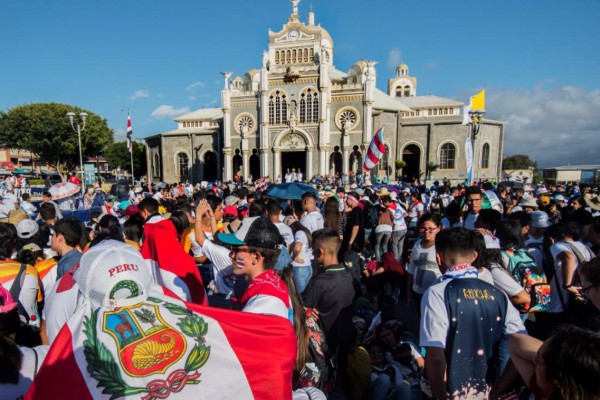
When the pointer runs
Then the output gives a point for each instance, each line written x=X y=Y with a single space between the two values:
x=411 y=155
x=210 y=166
x=293 y=153
x=335 y=162
x=255 y=164
x=237 y=163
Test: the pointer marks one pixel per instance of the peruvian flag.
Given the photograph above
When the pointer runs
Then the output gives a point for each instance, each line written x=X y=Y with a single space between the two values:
x=174 y=269
x=375 y=152
x=164 y=348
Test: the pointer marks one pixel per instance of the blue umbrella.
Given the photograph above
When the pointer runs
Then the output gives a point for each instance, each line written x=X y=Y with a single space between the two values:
x=291 y=191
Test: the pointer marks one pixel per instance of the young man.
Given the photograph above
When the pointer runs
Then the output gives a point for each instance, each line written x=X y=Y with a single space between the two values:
x=26 y=205
x=474 y=200
x=535 y=241
x=312 y=219
x=463 y=318
x=331 y=291
x=255 y=248
x=65 y=239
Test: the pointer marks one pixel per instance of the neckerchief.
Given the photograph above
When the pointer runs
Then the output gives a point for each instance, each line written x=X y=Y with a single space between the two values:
x=267 y=283
x=461 y=271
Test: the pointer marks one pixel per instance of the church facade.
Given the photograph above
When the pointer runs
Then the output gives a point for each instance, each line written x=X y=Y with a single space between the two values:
x=298 y=111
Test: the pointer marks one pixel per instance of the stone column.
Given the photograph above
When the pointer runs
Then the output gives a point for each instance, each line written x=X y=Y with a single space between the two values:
x=276 y=162
x=245 y=155
x=264 y=162
x=324 y=159
x=370 y=84
x=309 y=163
x=228 y=164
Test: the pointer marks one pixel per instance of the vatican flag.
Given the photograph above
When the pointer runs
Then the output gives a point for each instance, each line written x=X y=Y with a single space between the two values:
x=476 y=103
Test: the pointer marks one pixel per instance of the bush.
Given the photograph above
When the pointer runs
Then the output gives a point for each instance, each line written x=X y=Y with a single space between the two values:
x=33 y=182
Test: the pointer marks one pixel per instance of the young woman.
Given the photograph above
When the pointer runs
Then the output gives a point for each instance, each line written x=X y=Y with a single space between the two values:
x=332 y=215
x=383 y=230
x=415 y=210
x=301 y=252
x=423 y=269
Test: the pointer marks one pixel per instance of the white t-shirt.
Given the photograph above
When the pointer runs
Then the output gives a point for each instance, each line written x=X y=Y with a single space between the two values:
x=305 y=253
x=313 y=221
x=286 y=233
x=28 y=208
x=9 y=200
x=29 y=369
x=470 y=221
x=504 y=281
x=196 y=248
x=424 y=267
x=399 y=221
x=221 y=262
x=557 y=282
x=413 y=212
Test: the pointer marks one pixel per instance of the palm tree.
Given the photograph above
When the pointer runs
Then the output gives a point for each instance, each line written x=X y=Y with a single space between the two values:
x=431 y=167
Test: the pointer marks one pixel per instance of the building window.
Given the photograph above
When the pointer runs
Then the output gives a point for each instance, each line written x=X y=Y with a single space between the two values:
x=406 y=91
x=485 y=156
x=448 y=156
x=156 y=166
x=398 y=92
x=277 y=108
x=311 y=56
x=183 y=165
x=294 y=59
x=276 y=57
x=384 y=160
x=309 y=106
x=305 y=55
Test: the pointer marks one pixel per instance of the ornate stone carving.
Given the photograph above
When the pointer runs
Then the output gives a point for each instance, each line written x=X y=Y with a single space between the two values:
x=347 y=119
x=226 y=76
x=293 y=140
x=245 y=125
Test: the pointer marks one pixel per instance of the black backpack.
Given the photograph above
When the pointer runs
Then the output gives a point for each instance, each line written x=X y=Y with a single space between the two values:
x=370 y=215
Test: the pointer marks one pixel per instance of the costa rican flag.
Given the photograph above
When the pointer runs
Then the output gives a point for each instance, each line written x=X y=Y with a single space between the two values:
x=163 y=348
x=129 y=132
x=375 y=152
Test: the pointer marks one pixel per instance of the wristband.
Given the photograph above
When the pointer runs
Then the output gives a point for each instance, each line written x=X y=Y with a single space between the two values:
x=567 y=286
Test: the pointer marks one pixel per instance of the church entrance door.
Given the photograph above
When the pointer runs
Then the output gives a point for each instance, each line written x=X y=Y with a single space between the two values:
x=412 y=157
x=293 y=160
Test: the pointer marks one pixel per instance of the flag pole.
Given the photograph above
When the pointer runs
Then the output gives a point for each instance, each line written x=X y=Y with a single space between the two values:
x=130 y=142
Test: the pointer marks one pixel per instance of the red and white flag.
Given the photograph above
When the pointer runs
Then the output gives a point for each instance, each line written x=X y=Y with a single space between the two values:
x=375 y=152
x=175 y=270
x=163 y=348
x=129 y=133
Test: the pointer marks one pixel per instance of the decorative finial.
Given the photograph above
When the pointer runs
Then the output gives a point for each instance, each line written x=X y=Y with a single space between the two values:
x=294 y=16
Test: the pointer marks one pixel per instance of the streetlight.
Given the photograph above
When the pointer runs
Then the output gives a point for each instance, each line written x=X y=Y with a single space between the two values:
x=82 y=118
x=476 y=117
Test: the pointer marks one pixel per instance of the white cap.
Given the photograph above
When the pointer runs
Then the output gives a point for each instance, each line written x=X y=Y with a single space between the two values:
x=113 y=274
x=491 y=242
x=27 y=228
x=539 y=219
x=231 y=200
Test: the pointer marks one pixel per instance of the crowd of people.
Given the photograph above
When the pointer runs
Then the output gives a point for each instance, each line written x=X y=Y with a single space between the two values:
x=316 y=293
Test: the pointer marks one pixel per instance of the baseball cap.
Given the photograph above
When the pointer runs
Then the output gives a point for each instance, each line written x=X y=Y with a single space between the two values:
x=131 y=210
x=530 y=202
x=113 y=274
x=231 y=200
x=32 y=247
x=27 y=228
x=230 y=210
x=254 y=232
x=539 y=219
x=6 y=301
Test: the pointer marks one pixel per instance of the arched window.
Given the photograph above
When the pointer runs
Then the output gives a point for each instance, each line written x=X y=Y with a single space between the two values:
x=305 y=55
x=288 y=56
x=311 y=56
x=294 y=59
x=399 y=91
x=309 y=106
x=278 y=108
x=277 y=57
x=407 y=91
x=448 y=156
x=485 y=156
x=183 y=165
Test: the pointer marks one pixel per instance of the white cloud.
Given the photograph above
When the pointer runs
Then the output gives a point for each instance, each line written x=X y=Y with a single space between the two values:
x=432 y=65
x=191 y=98
x=120 y=134
x=166 y=111
x=194 y=86
x=555 y=127
x=394 y=58
x=140 y=94
x=210 y=103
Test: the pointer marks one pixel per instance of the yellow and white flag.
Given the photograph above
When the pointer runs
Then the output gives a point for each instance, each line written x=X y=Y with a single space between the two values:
x=476 y=103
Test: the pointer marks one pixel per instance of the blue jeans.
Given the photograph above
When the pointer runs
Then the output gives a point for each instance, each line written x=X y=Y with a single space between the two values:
x=382 y=240
x=380 y=390
x=398 y=243
x=301 y=277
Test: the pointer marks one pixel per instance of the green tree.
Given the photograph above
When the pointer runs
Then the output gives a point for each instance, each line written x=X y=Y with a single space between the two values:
x=431 y=167
x=117 y=155
x=44 y=129
x=518 y=161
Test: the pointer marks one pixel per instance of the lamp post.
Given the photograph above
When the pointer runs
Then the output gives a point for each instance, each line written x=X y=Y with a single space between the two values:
x=476 y=116
x=78 y=128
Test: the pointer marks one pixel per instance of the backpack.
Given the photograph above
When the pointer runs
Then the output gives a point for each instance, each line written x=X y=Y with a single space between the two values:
x=532 y=278
x=370 y=216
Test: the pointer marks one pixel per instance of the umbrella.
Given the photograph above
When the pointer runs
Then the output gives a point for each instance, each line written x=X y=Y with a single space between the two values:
x=291 y=191
x=63 y=190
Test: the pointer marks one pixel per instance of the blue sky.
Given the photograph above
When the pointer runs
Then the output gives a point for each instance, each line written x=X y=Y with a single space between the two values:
x=537 y=59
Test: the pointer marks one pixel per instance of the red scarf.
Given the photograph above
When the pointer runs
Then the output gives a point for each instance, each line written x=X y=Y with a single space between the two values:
x=270 y=284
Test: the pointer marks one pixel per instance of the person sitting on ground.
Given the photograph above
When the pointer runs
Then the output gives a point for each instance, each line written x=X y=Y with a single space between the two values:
x=26 y=205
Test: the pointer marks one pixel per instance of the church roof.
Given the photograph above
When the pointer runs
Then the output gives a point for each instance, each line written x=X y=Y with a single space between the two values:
x=209 y=114
x=187 y=131
x=428 y=101
x=336 y=73
x=385 y=102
